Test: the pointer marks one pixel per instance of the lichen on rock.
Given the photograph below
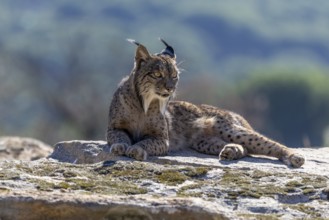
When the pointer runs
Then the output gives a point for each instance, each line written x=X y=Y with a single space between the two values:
x=81 y=177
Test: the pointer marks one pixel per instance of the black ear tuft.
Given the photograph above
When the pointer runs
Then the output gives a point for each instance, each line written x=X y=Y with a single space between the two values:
x=169 y=51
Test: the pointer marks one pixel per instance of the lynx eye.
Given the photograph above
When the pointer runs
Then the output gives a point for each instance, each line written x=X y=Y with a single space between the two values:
x=174 y=75
x=157 y=74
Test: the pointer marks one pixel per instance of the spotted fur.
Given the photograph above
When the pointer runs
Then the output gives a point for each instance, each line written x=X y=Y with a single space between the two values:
x=143 y=121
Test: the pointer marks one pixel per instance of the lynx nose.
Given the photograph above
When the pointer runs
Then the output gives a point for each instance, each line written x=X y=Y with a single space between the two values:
x=170 y=87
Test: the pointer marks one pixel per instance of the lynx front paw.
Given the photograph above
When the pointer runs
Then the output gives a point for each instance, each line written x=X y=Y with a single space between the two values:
x=137 y=153
x=118 y=149
x=232 y=152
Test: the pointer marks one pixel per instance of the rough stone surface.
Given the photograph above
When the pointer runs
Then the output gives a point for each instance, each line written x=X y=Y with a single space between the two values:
x=81 y=151
x=19 y=148
x=184 y=185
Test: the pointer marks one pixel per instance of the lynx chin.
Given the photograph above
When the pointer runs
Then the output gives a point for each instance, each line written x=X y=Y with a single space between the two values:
x=145 y=121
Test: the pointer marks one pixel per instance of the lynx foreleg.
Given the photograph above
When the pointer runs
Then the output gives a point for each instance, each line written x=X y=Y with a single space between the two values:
x=119 y=142
x=148 y=147
x=256 y=143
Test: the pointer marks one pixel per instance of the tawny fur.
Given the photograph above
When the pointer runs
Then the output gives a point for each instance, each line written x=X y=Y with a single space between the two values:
x=143 y=121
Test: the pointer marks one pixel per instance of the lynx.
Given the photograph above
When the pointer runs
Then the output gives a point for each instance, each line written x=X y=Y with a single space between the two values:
x=145 y=121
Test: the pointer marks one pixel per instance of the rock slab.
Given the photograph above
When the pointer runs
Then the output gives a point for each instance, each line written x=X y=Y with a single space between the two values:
x=80 y=180
x=22 y=148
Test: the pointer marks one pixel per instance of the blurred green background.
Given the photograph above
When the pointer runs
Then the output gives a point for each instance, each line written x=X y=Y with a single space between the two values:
x=61 y=60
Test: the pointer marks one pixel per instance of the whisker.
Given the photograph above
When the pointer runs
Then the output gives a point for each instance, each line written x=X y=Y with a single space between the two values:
x=181 y=62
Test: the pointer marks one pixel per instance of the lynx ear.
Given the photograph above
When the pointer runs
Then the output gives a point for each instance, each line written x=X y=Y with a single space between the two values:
x=169 y=51
x=141 y=52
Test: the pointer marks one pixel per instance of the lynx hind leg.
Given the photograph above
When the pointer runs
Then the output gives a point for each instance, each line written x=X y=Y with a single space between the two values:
x=233 y=152
x=209 y=145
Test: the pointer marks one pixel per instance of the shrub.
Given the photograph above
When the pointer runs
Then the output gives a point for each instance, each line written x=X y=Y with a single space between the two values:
x=291 y=107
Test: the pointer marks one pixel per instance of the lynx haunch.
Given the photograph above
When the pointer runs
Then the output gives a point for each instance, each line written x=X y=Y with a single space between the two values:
x=144 y=121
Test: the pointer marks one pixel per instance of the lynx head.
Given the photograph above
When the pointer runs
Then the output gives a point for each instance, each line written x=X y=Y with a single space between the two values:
x=155 y=76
